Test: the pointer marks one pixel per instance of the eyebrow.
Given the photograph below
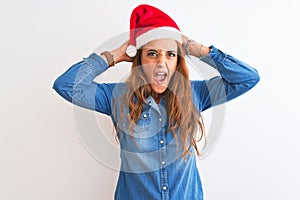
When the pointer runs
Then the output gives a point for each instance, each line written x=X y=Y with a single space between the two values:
x=149 y=49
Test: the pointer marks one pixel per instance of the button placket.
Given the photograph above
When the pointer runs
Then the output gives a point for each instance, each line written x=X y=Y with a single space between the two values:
x=163 y=155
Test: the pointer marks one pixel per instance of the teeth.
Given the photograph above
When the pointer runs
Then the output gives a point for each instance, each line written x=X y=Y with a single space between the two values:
x=161 y=73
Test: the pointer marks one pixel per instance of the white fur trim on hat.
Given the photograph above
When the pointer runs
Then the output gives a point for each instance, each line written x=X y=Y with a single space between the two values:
x=158 y=33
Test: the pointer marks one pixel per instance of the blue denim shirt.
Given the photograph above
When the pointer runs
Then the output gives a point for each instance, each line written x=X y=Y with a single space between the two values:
x=154 y=169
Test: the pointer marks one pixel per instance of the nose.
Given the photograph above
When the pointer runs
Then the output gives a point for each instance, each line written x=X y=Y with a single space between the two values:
x=161 y=59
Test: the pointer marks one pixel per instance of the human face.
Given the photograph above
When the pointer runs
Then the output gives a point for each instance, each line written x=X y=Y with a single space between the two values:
x=159 y=61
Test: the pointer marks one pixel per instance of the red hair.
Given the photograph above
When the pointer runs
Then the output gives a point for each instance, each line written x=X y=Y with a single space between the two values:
x=177 y=95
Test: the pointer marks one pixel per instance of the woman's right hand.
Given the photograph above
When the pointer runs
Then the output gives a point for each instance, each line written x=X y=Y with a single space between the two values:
x=120 y=53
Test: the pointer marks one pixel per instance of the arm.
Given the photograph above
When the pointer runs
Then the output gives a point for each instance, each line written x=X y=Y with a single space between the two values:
x=236 y=77
x=76 y=85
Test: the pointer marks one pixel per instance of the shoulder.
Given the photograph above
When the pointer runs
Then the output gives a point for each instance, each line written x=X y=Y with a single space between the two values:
x=117 y=89
x=196 y=84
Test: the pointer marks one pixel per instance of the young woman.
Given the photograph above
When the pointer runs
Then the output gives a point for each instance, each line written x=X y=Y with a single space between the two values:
x=157 y=110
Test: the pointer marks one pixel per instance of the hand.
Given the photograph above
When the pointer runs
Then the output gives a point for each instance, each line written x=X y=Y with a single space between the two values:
x=120 y=53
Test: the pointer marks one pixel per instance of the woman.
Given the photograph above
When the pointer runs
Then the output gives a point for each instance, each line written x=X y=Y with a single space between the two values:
x=157 y=110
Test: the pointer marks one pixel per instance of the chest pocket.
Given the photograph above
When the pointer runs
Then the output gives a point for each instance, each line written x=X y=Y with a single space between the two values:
x=142 y=126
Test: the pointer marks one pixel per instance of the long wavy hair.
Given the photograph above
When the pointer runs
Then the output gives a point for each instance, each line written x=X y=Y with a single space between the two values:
x=181 y=111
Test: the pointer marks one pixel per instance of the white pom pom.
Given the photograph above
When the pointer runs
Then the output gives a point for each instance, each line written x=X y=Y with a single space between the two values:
x=131 y=51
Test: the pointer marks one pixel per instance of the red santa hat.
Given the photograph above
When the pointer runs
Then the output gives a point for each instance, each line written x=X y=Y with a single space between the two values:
x=148 y=23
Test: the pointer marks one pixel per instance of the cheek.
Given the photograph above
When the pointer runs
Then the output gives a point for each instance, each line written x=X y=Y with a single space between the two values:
x=172 y=66
x=147 y=67
x=148 y=71
x=171 y=73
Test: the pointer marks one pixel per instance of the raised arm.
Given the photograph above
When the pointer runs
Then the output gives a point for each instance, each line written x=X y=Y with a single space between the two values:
x=236 y=77
x=77 y=85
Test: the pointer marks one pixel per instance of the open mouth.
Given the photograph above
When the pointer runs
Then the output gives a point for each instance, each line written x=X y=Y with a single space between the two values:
x=160 y=77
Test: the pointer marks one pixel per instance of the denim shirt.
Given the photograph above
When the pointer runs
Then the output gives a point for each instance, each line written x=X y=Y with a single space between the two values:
x=153 y=167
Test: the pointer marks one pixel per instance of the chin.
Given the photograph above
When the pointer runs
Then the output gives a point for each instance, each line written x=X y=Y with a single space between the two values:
x=158 y=89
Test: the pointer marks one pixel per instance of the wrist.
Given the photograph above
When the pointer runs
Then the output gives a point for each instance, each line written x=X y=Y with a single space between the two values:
x=198 y=50
x=104 y=58
x=109 y=58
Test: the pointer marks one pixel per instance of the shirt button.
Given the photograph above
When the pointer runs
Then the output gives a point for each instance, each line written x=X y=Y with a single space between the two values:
x=145 y=115
x=164 y=187
x=160 y=119
x=161 y=141
x=163 y=162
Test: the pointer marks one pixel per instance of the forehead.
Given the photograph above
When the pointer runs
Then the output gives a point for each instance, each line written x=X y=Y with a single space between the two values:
x=162 y=44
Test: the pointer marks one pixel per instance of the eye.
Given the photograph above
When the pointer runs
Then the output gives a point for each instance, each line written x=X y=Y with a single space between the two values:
x=171 y=54
x=152 y=54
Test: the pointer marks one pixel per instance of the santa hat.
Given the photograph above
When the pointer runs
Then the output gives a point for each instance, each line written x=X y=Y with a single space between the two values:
x=148 y=23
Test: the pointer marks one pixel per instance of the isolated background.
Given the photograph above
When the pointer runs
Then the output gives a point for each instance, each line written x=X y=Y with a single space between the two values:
x=41 y=155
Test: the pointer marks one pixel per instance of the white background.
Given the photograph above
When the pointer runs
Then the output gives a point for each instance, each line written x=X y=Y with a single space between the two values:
x=41 y=155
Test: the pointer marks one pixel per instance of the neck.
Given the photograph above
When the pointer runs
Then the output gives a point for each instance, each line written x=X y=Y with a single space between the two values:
x=156 y=97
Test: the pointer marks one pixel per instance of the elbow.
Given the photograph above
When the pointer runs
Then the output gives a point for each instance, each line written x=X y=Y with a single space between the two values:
x=58 y=84
x=255 y=78
x=252 y=81
x=61 y=87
